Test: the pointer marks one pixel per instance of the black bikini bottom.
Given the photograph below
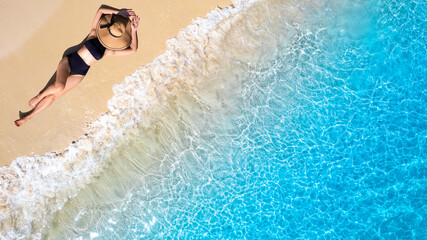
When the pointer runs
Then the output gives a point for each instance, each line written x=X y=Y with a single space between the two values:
x=77 y=65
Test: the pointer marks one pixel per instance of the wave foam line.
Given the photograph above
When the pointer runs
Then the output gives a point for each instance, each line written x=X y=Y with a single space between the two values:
x=32 y=188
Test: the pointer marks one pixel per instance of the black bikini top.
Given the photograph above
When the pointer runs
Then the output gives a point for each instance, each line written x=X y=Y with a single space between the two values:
x=95 y=48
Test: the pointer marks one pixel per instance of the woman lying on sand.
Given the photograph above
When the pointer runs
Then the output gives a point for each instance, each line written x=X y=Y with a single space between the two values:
x=113 y=33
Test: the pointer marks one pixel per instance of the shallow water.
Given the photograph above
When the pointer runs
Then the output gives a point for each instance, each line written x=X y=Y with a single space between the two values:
x=308 y=122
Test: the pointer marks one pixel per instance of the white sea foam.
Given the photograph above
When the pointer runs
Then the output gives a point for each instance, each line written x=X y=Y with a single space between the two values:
x=33 y=188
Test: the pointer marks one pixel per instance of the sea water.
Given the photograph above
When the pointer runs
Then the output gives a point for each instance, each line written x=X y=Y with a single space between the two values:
x=270 y=120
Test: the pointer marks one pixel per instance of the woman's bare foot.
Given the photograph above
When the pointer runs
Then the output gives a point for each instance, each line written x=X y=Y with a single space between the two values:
x=21 y=121
x=34 y=101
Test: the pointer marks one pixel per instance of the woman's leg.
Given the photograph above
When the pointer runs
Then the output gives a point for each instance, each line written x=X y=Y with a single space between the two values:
x=63 y=83
x=62 y=73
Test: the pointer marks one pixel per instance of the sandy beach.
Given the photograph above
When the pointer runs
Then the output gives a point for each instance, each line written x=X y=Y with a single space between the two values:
x=33 y=46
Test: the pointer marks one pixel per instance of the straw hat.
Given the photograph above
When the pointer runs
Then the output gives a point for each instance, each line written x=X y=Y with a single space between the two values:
x=114 y=32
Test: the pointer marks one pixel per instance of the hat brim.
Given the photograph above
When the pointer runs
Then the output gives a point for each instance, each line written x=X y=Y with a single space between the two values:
x=109 y=41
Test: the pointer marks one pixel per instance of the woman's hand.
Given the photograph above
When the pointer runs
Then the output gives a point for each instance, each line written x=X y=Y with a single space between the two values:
x=135 y=23
x=127 y=13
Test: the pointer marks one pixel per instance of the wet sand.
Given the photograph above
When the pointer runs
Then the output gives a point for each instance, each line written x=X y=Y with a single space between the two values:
x=38 y=33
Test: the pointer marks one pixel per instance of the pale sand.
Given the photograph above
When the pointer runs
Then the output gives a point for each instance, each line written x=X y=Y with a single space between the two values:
x=38 y=33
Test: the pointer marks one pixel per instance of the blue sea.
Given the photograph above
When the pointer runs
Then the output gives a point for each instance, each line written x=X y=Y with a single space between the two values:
x=274 y=119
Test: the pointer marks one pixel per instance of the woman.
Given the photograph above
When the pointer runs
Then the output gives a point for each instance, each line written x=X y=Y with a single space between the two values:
x=113 y=33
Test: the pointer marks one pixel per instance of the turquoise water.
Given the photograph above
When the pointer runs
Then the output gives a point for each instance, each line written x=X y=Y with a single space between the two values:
x=326 y=139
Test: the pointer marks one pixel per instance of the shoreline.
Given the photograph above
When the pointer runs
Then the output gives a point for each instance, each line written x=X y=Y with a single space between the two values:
x=67 y=119
x=35 y=187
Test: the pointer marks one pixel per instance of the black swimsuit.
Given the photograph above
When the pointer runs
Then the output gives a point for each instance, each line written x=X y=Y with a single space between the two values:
x=95 y=48
x=77 y=65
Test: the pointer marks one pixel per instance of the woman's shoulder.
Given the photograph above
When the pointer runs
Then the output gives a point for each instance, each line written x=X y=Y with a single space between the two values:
x=91 y=35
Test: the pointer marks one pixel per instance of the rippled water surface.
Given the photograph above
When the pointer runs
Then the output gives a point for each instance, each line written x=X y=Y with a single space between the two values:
x=326 y=139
